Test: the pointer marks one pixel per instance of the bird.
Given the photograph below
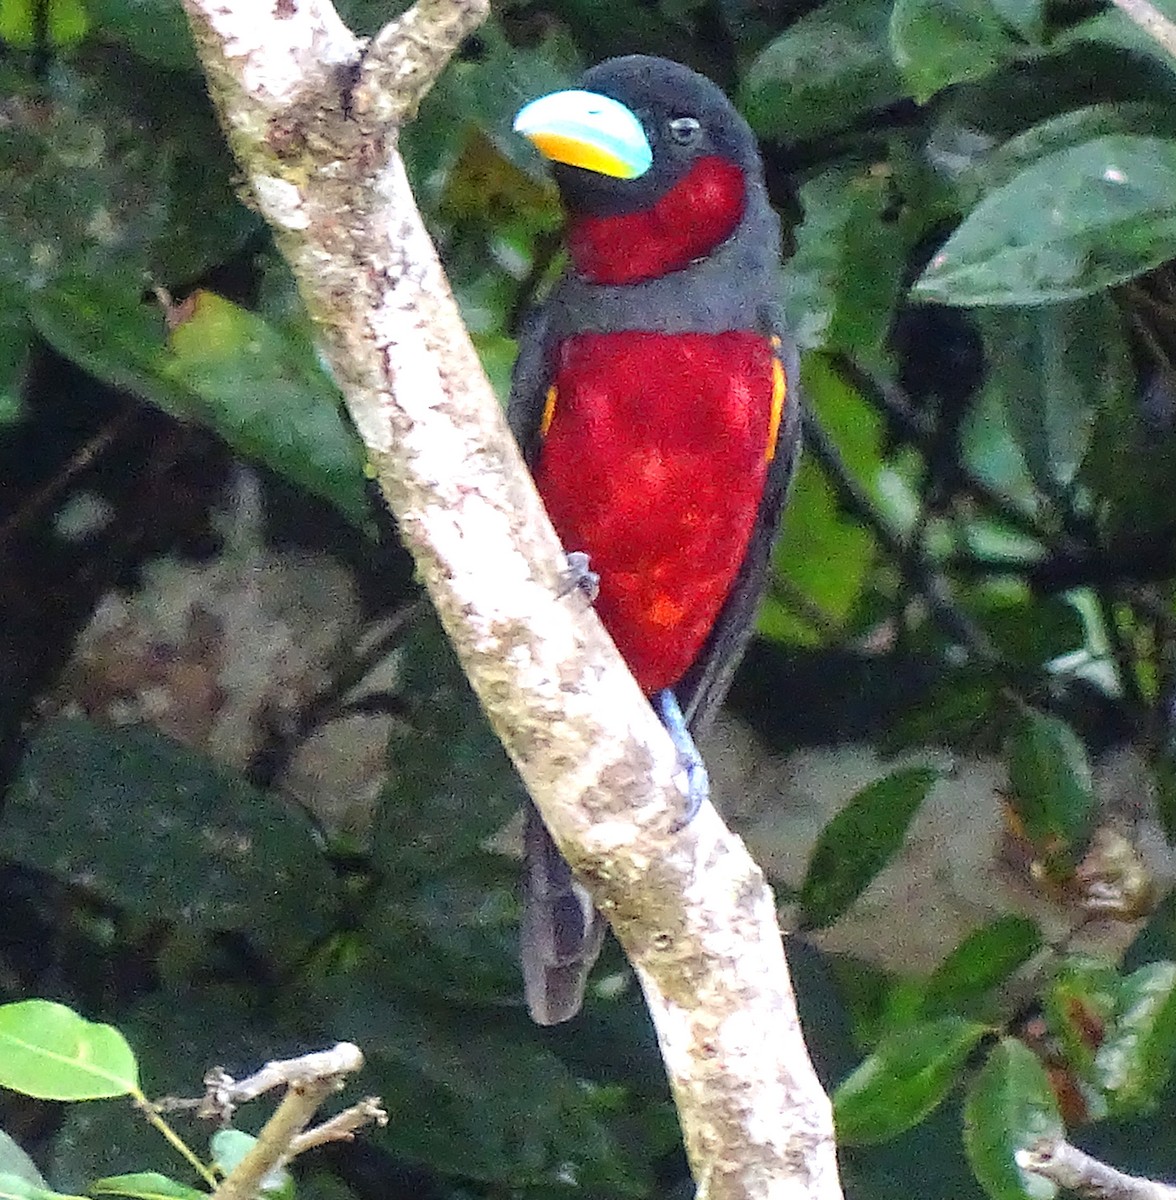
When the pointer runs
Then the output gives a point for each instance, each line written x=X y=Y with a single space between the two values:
x=654 y=398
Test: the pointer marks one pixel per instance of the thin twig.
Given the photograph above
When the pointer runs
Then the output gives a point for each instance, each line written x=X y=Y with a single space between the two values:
x=224 y=1092
x=1151 y=21
x=151 y=1112
x=1071 y=1168
x=83 y=457
x=309 y=1080
x=342 y=1127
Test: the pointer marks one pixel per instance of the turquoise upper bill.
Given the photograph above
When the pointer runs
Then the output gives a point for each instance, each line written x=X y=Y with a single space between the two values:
x=587 y=130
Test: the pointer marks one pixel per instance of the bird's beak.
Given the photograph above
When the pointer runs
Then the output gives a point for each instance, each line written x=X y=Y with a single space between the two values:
x=584 y=129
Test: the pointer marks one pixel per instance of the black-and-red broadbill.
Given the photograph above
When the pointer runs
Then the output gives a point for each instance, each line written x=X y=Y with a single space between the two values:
x=654 y=397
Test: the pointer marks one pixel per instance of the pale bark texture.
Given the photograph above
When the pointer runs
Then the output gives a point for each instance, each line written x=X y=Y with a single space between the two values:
x=1077 y=1172
x=308 y=1081
x=313 y=120
x=1151 y=21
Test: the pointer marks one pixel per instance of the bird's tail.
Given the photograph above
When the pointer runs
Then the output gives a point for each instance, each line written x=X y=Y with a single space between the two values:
x=561 y=931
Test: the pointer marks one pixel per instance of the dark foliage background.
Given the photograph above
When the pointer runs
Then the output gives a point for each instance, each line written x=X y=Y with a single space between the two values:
x=249 y=805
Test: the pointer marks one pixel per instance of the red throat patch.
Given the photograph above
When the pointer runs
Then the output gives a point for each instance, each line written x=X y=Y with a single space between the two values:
x=701 y=210
x=654 y=464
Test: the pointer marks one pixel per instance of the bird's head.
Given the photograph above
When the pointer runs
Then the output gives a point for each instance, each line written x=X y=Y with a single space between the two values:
x=633 y=129
x=650 y=139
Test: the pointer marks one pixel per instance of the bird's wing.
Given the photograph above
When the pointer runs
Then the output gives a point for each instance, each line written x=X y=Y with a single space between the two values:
x=532 y=376
x=560 y=932
x=705 y=684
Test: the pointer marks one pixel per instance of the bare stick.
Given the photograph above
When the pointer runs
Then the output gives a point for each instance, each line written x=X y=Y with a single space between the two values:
x=272 y=1147
x=307 y=113
x=308 y=1080
x=224 y=1092
x=1070 y=1168
x=1151 y=21
x=342 y=1127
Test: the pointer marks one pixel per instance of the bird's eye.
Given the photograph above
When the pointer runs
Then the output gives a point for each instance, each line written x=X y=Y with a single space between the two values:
x=684 y=130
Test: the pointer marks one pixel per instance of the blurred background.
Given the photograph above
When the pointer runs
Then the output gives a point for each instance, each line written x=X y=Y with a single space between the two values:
x=249 y=805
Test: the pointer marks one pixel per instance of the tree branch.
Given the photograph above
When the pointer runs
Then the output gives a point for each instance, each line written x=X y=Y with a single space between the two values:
x=308 y=1080
x=308 y=115
x=224 y=1093
x=1151 y=21
x=1070 y=1168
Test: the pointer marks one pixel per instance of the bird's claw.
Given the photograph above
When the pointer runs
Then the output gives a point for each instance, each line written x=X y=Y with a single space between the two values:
x=697 y=791
x=697 y=781
x=579 y=577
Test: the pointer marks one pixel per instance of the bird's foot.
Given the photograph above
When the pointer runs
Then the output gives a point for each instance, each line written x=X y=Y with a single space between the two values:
x=579 y=577
x=665 y=704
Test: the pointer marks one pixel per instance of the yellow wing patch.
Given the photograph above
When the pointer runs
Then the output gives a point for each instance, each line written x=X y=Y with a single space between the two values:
x=779 y=395
x=548 y=412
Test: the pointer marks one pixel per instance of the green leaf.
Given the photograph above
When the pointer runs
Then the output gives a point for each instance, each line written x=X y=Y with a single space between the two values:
x=1052 y=789
x=17 y=1187
x=229 y=1148
x=1027 y=17
x=829 y=67
x=1113 y=27
x=260 y=388
x=101 y=324
x=268 y=397
x=69 y=22
x=454 y=935
x=959 y=702
x=850 y=260
x=152 y=827
x=1130 y=466
x=815 y=531
x=48 y=1051
x=155 y=30
x=869 y=997
x=443 y=754
x=993 y=452
x=1134 y=1064
x=1010 y=1105
x=14 y=1161
x=177 y=1033
x=859 y=841
x=498 y=356
x=903 y=1080
x=145 y=1185
x=110 y=176
x=1164 y=780
x=15 y=347
x=940 y=42
x=1074 y=127
x=478 y=1093
x=66 y=22
x=1079 y=1004
x=814 y=601
x=1075 y=222
x=1024 y=628
x=1052 y=369
x=984 y=959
